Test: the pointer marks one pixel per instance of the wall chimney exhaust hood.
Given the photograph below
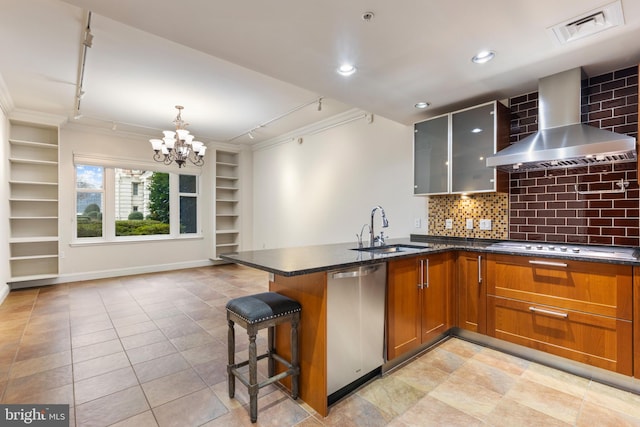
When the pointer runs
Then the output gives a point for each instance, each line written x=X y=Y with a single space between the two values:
x=562 y=141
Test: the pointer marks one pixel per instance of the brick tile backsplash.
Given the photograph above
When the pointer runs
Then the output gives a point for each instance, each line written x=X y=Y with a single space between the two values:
x=548 y=207
x=544 y=205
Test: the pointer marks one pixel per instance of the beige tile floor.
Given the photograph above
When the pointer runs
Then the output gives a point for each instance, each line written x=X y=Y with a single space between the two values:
x=151 y=350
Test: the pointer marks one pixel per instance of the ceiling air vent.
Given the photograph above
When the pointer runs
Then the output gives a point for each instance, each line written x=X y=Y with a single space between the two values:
x=588 y=23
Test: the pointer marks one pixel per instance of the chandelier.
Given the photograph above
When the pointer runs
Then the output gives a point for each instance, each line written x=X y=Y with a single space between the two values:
x=178 y=146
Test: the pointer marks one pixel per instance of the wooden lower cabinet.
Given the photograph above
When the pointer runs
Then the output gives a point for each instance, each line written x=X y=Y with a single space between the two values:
x=574 y=309
x=595 y=340
x=471 y=294
x=418 y=301
x=636 y=322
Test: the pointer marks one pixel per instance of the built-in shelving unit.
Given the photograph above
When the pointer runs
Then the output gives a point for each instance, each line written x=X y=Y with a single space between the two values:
x=33 y=201
x=227 y=203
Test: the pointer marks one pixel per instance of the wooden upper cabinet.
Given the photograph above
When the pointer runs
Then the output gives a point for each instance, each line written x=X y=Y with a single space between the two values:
x=418 y=301
x=471 y=296
x=450 y=151
x=477 y=133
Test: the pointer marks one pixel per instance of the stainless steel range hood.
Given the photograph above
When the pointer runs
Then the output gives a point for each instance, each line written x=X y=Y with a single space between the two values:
x=562 y=141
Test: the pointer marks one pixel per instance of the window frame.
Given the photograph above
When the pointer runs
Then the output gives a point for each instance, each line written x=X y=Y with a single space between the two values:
x=108 y=217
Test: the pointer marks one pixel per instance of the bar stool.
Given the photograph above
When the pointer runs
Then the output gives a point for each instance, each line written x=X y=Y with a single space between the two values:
x=255 y=312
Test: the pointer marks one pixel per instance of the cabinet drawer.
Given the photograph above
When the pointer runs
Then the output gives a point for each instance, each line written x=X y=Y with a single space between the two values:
x=595 y=340
x=591 y=287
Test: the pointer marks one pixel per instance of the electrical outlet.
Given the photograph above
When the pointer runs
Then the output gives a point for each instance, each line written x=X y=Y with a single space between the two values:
x=469 y=224
x=448 y=223
x=417 y=223
x=485 y=224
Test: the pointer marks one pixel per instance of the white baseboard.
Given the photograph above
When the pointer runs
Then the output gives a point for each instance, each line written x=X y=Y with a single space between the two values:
x=4 y=291
x=105 y=274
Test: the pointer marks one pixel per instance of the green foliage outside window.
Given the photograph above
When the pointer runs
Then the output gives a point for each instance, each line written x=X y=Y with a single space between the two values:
x=135 y=215
x=159 y=197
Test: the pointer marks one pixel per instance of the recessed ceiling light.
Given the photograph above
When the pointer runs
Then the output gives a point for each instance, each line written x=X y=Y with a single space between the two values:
x=476 y=130
x=346 y=69
x=422 y=105
x=483 y=56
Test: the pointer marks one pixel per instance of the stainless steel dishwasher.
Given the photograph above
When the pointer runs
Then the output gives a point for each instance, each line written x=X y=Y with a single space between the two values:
x=355 y=327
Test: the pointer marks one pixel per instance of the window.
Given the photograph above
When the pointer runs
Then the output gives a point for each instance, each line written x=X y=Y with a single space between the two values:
x=89 y=200
x=188 y=192
x=155 y=217
x=123 y=204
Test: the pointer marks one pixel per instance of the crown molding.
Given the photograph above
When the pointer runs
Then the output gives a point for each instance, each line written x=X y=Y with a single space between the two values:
x=37 y=117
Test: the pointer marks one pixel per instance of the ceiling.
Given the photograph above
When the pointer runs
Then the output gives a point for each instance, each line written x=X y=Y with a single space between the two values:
x=237 y=65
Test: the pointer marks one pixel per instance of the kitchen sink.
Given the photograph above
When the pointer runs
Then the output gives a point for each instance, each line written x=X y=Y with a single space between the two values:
x=390 y=249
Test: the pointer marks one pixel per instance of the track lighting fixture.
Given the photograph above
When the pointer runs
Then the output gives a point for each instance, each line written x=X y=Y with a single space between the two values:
x=88 y=38
x=250 y=134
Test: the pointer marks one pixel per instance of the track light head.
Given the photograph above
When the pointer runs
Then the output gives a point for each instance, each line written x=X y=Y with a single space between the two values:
x=88 y=38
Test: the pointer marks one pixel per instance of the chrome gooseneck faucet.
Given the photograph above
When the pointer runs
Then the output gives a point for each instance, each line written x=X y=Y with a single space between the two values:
x=385 y=224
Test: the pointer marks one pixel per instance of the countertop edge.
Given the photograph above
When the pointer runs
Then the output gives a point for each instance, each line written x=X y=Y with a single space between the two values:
x=435 y=245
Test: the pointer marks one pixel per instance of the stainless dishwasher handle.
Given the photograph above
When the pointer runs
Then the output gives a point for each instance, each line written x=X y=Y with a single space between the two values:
x=358 y=272
x=479 y=269
x=548 y=263
x=549 y=312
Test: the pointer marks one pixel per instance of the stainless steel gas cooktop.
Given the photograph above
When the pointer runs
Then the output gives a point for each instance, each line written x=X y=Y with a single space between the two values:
x=600 y=252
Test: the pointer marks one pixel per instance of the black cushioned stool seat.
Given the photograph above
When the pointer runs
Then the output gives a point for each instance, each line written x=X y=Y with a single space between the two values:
x=255 y=312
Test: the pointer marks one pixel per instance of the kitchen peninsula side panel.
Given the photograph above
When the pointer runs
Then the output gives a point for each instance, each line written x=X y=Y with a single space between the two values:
x=310 y=290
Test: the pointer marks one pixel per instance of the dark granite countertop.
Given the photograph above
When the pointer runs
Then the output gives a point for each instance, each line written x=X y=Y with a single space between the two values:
x=312 y=259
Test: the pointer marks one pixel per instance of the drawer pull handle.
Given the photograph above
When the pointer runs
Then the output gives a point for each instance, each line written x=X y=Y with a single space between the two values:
x=549 y=263
x=549 y=312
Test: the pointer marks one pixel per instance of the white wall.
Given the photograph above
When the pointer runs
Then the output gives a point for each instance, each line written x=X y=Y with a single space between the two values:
x=112 y=259
x=4 y=206
x=322 y=190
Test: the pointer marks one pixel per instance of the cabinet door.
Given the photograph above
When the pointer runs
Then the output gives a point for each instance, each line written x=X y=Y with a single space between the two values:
x=431 y=156
x=473 y=139
x=636 y=322
x=472 y=292
x=584 y=337
x=403 y=306
x=436 y=310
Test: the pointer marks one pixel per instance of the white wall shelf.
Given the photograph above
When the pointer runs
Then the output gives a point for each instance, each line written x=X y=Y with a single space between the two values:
x=33 y=201
x=227 y=199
